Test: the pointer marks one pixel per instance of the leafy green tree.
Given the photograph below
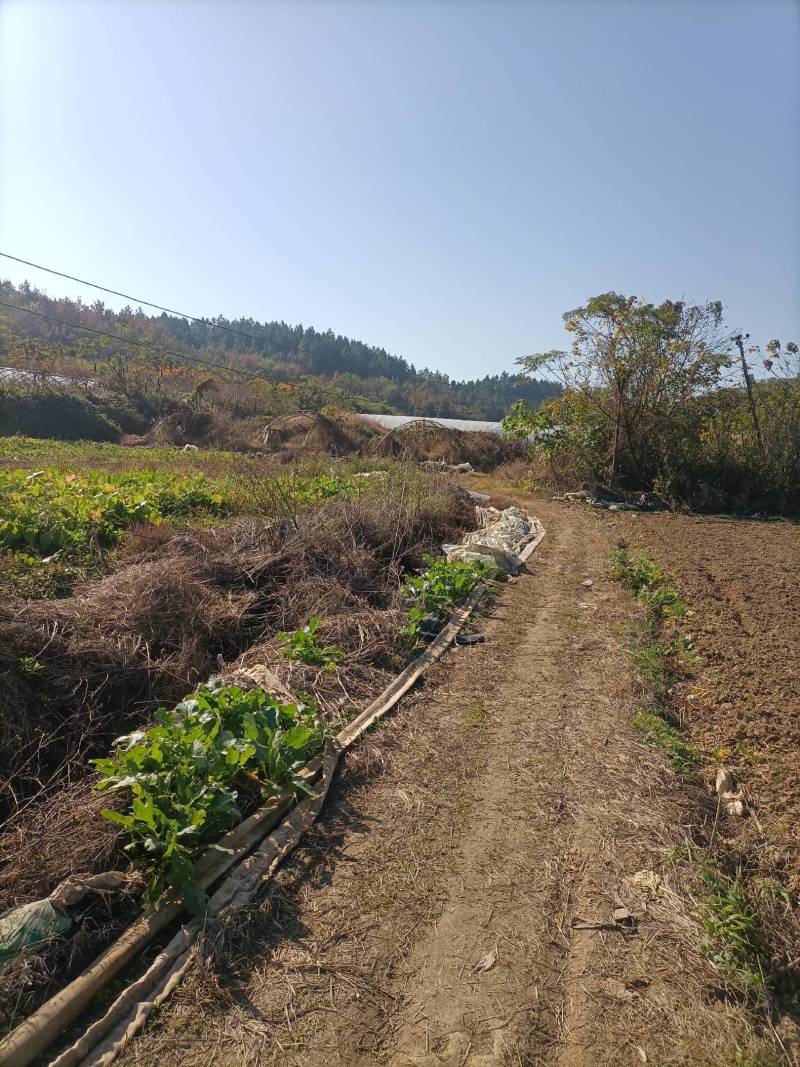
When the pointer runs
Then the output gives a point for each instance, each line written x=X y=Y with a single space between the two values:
x=631 y=369
x=281 y=352
x=522 y=421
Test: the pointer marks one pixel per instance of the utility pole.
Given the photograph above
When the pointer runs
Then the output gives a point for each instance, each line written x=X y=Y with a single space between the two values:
x=748 y=382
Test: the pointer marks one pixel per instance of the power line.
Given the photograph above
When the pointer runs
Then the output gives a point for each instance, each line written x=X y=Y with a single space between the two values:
x=136 y=300
x=134 y=341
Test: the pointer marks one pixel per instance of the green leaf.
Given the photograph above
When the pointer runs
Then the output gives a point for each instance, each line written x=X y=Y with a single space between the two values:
x=143 y=811
x=298 y=737
x=117 y=817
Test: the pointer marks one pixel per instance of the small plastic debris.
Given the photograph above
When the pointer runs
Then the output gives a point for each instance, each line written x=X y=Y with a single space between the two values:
x=585 y=924
x=72 y=891
x=731 y=797
x=263 y=678
x=29 y=926
x=454 y=468
x=588 y=583
x=485 y=963
x=725 y=783
x=612 y=987
x=431 y=624
x=625 y=921
x=616 y=500
x=32 y=925
x=470 y=639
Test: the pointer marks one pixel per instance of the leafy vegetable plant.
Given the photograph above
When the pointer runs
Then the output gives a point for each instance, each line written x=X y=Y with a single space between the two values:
x=184 y=774
x=303 y=646
x=51 y=511
x=437 y=588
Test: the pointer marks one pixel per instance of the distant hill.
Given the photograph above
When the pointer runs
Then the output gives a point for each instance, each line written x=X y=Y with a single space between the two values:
x=285 y=353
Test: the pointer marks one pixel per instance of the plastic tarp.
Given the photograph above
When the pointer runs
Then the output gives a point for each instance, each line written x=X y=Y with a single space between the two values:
x=29 y=926
x=500 y=538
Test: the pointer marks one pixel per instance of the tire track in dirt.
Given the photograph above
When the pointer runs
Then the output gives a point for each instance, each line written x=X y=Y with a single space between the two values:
x=502 y=802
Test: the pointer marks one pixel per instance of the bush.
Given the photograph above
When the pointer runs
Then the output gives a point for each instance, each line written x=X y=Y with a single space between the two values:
x=55 y=415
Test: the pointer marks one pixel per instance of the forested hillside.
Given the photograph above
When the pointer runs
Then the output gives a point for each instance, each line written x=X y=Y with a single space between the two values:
x=280 y=351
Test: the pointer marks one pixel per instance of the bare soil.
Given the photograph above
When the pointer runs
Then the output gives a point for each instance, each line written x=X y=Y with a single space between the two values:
x=741 y=581
x=455 y=904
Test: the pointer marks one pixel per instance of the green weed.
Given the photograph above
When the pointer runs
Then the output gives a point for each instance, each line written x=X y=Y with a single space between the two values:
x=732 y=940
x=651 y=657
x=303 y=646
x=30 y=665
x=475 y=716
x=657 y=730
x=645 y=579
x=650 y=664
x=635 y=572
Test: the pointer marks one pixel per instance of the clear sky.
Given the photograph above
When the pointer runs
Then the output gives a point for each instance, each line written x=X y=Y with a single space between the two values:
x=441 y=178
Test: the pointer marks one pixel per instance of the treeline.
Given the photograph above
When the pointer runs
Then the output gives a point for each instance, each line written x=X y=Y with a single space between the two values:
x=284 y=353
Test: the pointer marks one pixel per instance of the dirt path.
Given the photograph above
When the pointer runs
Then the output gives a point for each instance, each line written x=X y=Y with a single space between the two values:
x=430 y=919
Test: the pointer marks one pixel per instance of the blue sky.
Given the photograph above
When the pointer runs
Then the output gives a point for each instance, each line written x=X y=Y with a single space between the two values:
x=441 y=178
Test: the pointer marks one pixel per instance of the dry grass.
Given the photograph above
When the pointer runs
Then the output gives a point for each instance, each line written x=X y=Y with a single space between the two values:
x=315 y=432
x=373 y=655
x=59 y=836
x=426 y=440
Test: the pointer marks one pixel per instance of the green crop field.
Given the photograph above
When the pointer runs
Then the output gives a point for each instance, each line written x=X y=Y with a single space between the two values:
x=65 y=505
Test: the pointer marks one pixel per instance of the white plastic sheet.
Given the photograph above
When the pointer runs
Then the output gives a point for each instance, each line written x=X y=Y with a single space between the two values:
x=500 y=538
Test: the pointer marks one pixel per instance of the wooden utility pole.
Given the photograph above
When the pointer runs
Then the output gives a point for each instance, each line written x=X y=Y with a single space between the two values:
x=748 y=382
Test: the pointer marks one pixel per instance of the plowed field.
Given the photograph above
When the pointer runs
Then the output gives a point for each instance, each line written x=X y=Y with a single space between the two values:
x=741 y=581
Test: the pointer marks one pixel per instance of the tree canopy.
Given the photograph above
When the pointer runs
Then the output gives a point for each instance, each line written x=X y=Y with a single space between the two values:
x=636 y=364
